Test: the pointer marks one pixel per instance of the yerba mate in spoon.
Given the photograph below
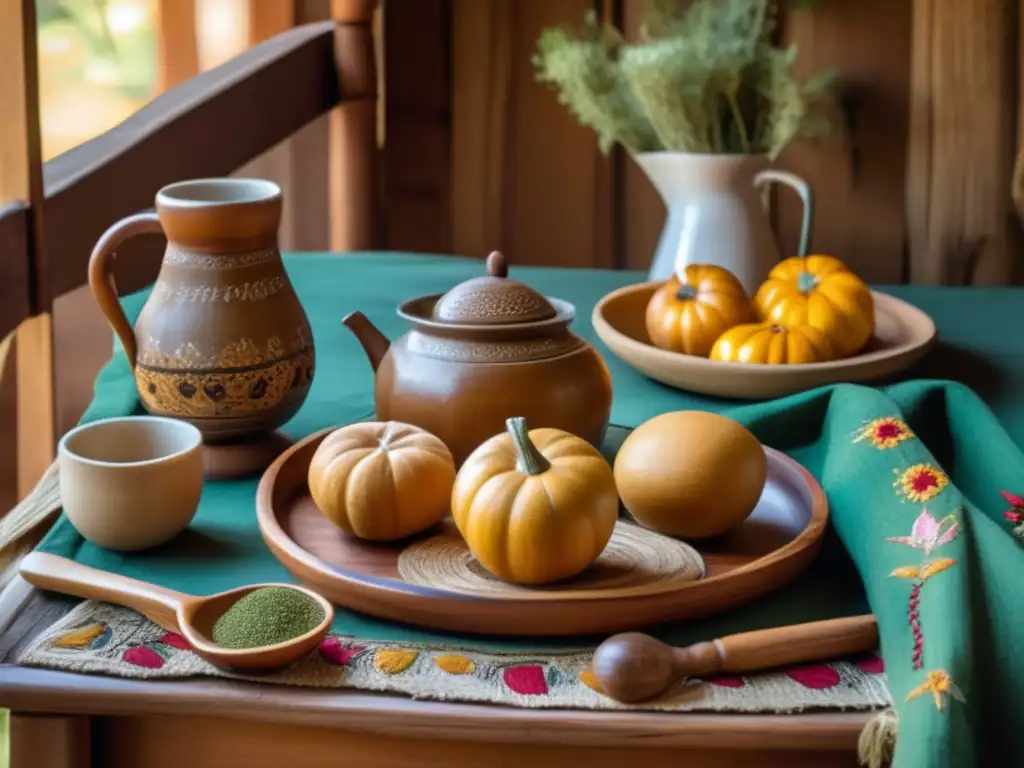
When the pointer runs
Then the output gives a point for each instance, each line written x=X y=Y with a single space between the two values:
x=196 y=618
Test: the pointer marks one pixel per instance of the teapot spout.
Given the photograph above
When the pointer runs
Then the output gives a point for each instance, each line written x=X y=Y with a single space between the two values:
x=375 y=344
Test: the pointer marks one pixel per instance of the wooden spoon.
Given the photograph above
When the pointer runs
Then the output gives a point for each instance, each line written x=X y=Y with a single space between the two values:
x=192 y=617
x=632 y=667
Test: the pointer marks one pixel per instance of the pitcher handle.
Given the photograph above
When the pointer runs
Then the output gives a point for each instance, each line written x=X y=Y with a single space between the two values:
x=101 y=274
x=803 y=189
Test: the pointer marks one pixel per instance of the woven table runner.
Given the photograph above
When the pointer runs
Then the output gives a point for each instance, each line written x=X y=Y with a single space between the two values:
x=104 y=639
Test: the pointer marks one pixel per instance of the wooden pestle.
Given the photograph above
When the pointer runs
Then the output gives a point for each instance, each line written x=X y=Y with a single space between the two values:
x=632 y=667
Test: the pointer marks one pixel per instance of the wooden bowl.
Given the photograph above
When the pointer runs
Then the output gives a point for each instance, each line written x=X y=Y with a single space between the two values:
x=765 y=552
x=903 y=334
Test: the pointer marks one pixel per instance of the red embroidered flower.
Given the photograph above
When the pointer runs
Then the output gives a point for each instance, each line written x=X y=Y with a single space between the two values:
x=884 y=433
x=527 y=679
x=921 y=482
x=336 y=652
x=175 y=640
x=1015 y=516
x=143 y=656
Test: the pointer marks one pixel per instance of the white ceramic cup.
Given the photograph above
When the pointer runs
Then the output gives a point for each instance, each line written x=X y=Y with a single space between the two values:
x=131 y=482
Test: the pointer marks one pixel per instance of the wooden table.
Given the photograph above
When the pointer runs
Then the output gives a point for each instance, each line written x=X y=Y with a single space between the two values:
x=60 y=719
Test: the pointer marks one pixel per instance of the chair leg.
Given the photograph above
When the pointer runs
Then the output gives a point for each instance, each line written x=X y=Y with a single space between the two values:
x=36 y=401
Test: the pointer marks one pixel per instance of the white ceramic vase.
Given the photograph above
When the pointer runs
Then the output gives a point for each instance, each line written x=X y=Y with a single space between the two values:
x=715 y=213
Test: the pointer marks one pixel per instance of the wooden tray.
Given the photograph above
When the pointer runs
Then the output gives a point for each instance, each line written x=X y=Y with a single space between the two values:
x=774 y=545
x=903 y=334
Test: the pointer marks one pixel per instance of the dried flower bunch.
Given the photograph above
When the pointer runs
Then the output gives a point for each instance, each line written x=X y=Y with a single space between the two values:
x=703 y=76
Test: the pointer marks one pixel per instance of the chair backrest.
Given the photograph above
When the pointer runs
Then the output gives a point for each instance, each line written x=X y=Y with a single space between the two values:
x=207 y=126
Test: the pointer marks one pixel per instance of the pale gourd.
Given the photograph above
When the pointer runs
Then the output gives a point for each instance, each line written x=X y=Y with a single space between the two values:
x=382 y=481
x=690 y=474
x=535 y=506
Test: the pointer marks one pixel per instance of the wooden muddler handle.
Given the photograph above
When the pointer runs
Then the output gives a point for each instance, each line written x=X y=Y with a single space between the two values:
x=776 y=647
x=633 y=667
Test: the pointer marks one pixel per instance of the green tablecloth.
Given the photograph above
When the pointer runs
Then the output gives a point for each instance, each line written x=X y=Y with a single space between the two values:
x=913 y=472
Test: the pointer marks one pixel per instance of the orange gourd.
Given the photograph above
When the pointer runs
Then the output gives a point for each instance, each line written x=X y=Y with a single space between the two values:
x=821 y=292
x=382 y=481
x=535 y=507
x=694 y=308
x=772 y=344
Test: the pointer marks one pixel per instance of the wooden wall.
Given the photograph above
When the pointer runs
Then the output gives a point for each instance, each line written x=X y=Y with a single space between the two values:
x=481 y=156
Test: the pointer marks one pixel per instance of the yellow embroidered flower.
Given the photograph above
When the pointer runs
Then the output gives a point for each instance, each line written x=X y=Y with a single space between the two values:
x=455 y=664
x=589 y=679
x=921 y=482
x=392 y=661
x=937 y=682
x=884 y=433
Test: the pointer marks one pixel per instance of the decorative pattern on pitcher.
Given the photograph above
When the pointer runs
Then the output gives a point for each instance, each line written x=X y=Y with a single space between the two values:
x=239 y=379
x=180 y=257
x=253 y=290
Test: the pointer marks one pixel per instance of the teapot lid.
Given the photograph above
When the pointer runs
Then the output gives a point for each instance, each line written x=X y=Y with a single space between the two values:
x=493 y=299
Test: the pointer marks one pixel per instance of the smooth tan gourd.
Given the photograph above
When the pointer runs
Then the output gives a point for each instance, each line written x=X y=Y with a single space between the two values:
x=690 y=474
x=694 y=308
x=535 y=507
x=821 y=292
x=382 y=481
x=772 y=344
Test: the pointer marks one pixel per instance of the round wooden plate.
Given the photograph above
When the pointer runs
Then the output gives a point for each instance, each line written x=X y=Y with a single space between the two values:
x=903 y=334
x=775 y=544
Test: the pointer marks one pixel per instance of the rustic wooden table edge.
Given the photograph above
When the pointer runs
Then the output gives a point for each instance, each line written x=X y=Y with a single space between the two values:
x=27 y=690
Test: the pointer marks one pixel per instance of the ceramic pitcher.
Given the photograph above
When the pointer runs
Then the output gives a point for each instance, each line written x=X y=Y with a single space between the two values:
x=715 y=214
x=222 y=341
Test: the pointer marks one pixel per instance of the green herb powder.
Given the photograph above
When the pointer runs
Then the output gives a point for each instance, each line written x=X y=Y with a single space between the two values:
x=267 y=616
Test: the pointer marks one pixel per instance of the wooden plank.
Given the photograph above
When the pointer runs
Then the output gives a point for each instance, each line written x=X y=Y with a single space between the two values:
x=269 y=19
x=481 y=84
x=177 y=49
x=142 y=741
x=50 y=741
x=36 y=401
x=858 y=172
x=207 y=126
x=963 y=142
x=38 y=690
x=416 y=159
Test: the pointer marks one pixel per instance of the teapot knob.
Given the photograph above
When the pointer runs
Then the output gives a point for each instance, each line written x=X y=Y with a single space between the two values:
x=496 y=265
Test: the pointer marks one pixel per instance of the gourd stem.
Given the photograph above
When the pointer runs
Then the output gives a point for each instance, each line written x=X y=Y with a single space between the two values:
x=806 y=282
x=529 y=460
x=686 y=292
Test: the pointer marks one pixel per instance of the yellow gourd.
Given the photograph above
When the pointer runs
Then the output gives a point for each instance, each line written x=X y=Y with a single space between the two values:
x=692 y=309
x=821 y=292
x=382 y=481
x=772 y=344
x=535 y=507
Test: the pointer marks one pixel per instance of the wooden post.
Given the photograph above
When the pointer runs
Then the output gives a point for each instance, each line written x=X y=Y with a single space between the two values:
x=962 y=141
x=50 y=741
x=21 y=180
x=353 y=132
x=177 y=43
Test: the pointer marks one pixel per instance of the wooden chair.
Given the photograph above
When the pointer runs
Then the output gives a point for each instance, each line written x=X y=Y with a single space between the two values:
x=207 y=126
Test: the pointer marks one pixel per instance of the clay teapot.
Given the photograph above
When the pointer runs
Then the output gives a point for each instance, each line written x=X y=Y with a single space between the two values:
x=490 y=349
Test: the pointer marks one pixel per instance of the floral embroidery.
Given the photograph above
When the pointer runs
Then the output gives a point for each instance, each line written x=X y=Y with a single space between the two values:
x=937 y=682
x=455 y=664
x=1015 y=515
x=884 y=433
x=391 y=662
x=338 y=653
x=921 y=482
x=926 y=534
x=91 y=636
x=589 y=679
x=527 y=679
